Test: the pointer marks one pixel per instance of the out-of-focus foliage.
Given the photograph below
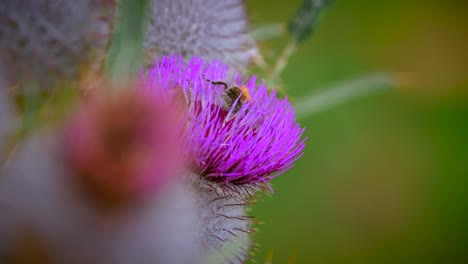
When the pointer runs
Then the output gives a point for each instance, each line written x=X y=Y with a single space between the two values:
x=383 y=179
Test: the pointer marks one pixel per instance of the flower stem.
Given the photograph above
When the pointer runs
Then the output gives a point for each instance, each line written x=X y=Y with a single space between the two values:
x=281 y=64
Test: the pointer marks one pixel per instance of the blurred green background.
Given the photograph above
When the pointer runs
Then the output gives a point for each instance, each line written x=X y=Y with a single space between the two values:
x=383 y=178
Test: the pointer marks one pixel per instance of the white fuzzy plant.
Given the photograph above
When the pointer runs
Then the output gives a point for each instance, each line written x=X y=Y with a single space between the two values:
x=44 y=42
x=209 y=29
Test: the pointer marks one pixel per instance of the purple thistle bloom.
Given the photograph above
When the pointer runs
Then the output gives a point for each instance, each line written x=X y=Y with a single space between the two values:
x=251 y=145
x=236 y=144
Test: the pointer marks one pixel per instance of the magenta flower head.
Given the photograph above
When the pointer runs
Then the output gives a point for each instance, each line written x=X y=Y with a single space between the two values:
x=237 y=132
x=238 y=137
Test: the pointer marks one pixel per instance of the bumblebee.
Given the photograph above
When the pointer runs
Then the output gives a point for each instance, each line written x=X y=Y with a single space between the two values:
x=233 y=94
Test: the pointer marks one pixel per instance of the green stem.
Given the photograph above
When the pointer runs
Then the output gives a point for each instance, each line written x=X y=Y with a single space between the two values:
x=126 y=48
x=281 y=64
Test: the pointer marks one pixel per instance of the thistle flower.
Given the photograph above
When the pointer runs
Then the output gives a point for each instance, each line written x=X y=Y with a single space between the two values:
x=44 y=41
x=251 y=145
x=105 y=189
x=236 y=148
x=210 y=29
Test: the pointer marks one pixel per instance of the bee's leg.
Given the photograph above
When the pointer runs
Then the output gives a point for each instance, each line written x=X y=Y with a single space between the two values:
x=216 y=82
x=220 y=83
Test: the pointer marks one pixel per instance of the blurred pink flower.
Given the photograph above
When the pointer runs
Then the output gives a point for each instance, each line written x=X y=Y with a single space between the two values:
x=125 y=146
